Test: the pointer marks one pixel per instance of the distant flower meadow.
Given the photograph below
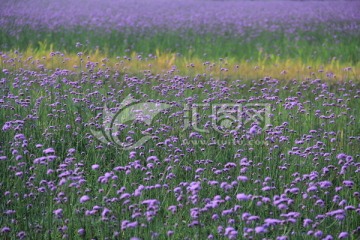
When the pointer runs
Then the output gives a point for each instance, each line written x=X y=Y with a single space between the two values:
x=100 y=150
x=224 y=17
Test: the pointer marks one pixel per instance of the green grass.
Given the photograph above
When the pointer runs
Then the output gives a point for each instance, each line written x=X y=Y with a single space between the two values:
x=322 y=45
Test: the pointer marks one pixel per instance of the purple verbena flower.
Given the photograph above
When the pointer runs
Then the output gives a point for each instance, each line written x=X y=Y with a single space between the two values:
x=84 y=198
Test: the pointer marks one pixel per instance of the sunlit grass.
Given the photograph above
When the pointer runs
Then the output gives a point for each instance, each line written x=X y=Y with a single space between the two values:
x=162 y=63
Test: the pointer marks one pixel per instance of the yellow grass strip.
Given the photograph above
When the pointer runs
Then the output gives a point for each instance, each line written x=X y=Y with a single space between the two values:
x=168 y=63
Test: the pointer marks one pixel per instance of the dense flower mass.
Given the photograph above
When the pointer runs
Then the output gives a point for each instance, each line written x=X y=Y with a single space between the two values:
x=96 y=151
x=298 y=172
x=222 y=16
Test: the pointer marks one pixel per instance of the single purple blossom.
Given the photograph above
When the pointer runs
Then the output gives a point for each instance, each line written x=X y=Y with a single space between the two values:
x=242 y=197
x=84 y=198
x=343 y=235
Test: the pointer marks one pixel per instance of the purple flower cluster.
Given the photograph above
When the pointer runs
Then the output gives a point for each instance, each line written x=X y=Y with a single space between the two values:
x=175 y=15
x=303 y=180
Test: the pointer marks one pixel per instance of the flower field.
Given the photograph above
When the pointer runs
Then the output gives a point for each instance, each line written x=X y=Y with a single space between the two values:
x=179 y=119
